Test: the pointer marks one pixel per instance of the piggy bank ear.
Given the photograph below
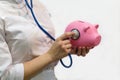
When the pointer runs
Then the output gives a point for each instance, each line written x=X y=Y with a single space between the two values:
x=96 y=26
x=85 y=30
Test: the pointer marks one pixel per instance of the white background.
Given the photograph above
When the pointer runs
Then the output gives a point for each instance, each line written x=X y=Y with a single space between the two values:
x=102 y=62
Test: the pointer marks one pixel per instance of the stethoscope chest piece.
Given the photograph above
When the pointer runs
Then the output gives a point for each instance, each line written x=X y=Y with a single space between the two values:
x=77 y=34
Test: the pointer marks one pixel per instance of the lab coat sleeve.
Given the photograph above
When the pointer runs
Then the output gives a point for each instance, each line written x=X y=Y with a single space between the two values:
x=8 y=71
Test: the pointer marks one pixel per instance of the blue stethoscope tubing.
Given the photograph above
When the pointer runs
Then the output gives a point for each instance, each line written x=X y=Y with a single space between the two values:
x=30 y=6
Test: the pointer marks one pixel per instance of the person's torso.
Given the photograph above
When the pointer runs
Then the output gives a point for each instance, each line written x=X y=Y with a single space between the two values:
x=24 y=38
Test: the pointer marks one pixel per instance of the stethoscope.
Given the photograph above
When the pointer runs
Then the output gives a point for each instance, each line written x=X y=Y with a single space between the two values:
x=30 y=6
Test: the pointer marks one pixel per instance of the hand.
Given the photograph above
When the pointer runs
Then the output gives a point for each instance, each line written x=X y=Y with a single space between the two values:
x=80 y=51
x=61 y=47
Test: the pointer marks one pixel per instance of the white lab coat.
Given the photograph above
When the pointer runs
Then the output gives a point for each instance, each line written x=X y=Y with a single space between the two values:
x=21 y=40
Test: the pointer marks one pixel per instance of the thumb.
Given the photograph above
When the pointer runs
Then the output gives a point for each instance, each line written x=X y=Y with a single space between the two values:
x=66 y=35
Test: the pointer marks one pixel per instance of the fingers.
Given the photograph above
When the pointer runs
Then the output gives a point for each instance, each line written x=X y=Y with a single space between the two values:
x=66 y=45
x=87 y=49
x=61 y=47
x=82 y=51
x=66 y=35
x=65 y=42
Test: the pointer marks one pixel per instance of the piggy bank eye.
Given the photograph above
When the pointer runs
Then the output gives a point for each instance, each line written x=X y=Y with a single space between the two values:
x=77 y=34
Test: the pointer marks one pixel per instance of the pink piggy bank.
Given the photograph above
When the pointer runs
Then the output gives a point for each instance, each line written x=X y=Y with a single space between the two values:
x=86 y=34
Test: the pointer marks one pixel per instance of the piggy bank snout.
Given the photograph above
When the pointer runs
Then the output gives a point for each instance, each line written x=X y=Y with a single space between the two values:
x=97 y=41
